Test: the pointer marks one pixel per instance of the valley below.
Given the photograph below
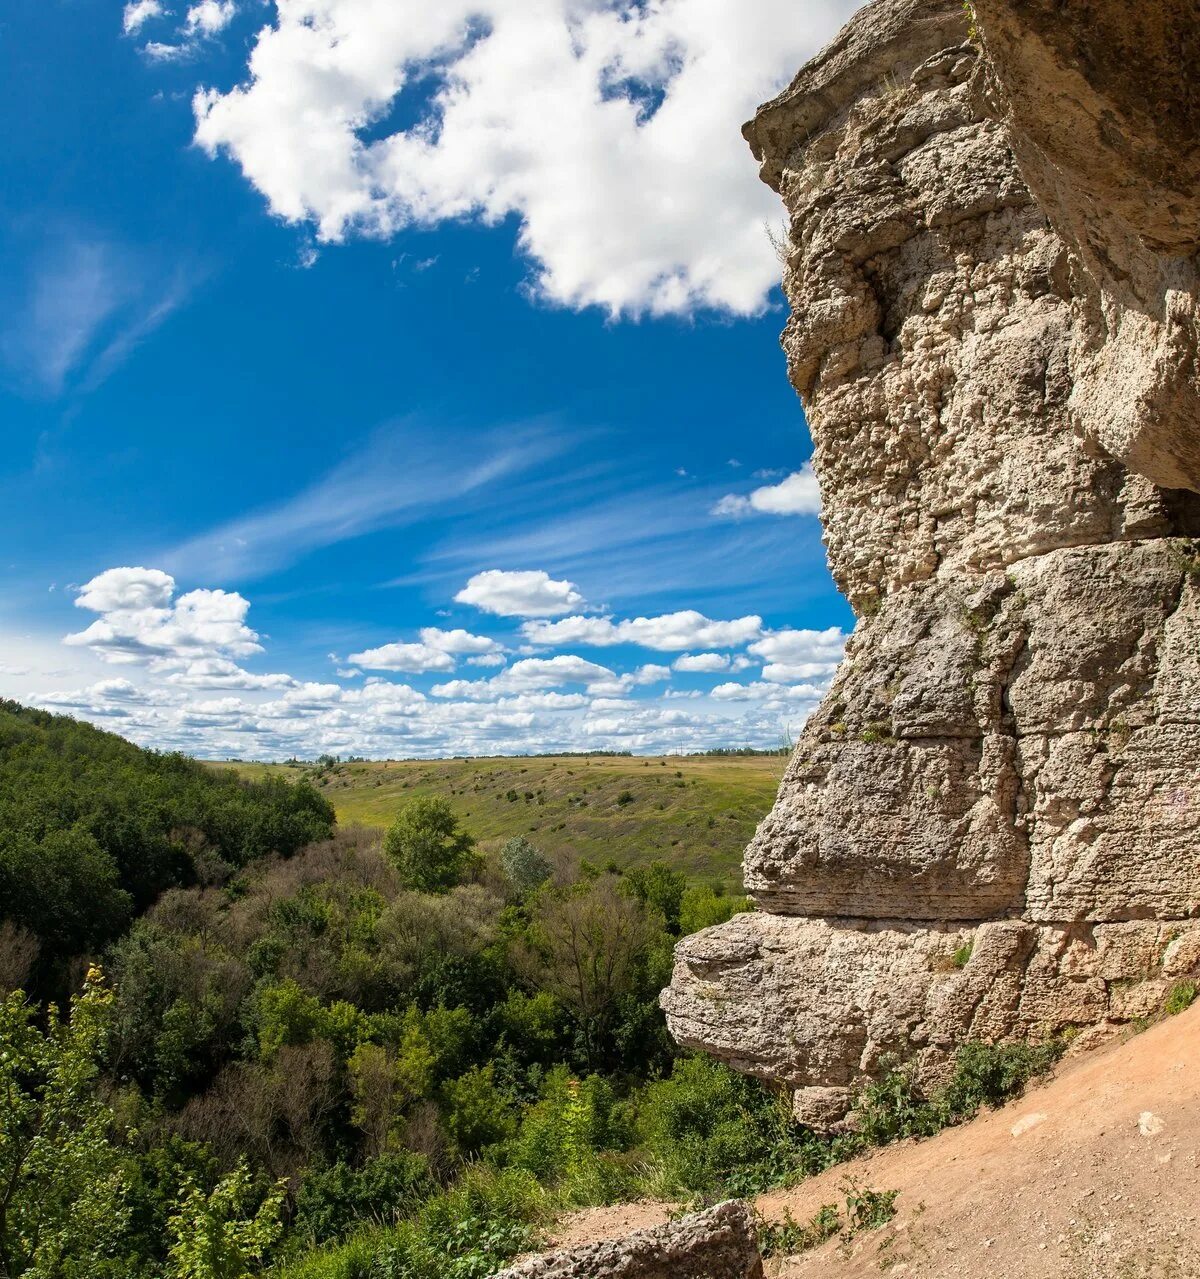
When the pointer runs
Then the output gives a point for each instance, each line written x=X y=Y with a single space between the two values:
x=695 y=812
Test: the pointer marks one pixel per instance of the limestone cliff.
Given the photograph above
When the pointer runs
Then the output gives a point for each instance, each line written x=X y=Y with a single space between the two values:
x=991 y=827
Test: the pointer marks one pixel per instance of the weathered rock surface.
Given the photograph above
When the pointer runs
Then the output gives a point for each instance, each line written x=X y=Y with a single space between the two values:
x=1010 y=754
x=1100 y=103
x=830 y=1000
x=1006 y=744
x=720 y=1243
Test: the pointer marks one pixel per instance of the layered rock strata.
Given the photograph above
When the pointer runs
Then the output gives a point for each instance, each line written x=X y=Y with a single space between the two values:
x=991 y=827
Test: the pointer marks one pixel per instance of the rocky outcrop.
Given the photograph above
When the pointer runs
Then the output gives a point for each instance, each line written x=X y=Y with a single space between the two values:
x=721 y=1243
x=991 y=827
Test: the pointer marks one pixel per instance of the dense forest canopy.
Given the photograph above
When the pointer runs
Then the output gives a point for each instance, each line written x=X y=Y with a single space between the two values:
x=93 y=829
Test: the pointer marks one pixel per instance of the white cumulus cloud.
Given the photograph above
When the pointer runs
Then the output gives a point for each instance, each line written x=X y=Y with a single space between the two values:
x=220 y=672
x=552 y=672
x=209 y=17
x=792 y=655
x=651 y=674
x=127 y=589
x=609 y=128
x=798 y=494
x=701 y=663
x=414 y=658
x=668 y=632
x=760 y=692
x=525 y=593
x=137 y=13
x=533 y=674
x=141 y=620
x=459 y=642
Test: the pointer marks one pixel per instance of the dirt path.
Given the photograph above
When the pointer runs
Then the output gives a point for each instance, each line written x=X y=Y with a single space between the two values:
x=1092 y=1175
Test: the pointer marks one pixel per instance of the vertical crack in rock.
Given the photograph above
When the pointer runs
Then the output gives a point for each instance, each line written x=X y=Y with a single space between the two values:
x=1007 y=765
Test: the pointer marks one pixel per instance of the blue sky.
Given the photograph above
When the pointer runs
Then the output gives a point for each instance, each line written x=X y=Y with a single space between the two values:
x=402 y=379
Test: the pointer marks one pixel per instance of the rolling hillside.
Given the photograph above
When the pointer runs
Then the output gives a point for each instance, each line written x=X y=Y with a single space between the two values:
x=696 y=812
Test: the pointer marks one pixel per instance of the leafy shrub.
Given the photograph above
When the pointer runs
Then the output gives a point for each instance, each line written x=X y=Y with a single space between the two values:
x=866 y=1209
x=712 y=1131
x=488 y=1210
x=892 y=1108
x=788 y=1237
x=467 y=1232
x=334 y=1201
x=571 y=1139
x=989 y=1074
x=984 y=1075
x=222 y=1233
x=1180 y=997
x=476 y=1113
x=353 y=1259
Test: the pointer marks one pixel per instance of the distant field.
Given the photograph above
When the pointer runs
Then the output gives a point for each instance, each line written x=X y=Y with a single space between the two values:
x=695 y=812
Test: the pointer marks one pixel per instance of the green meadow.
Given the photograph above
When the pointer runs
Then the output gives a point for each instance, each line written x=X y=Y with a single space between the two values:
x=696 y=812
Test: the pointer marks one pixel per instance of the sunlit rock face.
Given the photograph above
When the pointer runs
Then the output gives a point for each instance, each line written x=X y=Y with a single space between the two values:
x=991 y=827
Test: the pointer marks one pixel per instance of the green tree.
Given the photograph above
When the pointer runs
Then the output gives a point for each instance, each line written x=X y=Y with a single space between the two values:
x=63 y=887
x=63 y=1179
x=525 y=868
x=225 y=1233
x=383 y=1083
x=702 y=906
x=588 y=948
x=660 y=888
x=476 y=1112
x=428 y=847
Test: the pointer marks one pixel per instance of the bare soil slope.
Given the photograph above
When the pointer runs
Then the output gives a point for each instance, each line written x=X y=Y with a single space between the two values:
x=1095 y=1173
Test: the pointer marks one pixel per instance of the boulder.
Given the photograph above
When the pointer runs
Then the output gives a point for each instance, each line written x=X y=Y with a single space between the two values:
x=721 y=1243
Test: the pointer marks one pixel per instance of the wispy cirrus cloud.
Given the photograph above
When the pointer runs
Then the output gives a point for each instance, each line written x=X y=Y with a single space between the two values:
x=406 y=472
x=84 y=306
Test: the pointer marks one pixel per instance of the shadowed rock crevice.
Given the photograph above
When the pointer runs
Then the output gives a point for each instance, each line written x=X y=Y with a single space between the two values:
x=1007 y=765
